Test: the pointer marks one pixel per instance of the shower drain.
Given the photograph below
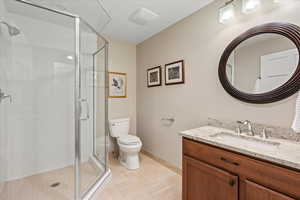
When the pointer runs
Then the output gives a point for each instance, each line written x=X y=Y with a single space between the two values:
x=55 y=184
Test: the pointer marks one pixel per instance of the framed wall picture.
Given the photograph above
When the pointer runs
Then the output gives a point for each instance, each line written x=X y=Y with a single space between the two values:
x=154 y=77
x=174 y=73
x=117 y=85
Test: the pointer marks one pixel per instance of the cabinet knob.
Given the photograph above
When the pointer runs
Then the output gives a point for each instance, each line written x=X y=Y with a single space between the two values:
x=232 y=182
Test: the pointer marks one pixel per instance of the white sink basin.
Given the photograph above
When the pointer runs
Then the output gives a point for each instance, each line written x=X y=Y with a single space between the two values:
x=245 y=141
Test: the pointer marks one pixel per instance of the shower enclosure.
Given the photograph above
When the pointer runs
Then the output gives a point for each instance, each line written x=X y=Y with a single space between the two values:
x=53 y=99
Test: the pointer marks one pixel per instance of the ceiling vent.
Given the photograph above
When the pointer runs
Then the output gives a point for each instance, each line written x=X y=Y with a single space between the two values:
x=143 y=16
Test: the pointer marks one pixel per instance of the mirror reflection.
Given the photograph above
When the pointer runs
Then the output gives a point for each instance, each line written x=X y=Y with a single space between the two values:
x=262 y=63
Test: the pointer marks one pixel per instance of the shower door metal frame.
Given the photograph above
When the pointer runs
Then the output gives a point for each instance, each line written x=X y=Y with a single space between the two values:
x=107 y=172
x=94 y=156
x=77 y=104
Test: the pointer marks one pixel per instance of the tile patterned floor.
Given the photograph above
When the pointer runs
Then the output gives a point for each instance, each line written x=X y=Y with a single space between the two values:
x=37 y=187
x=151 y=182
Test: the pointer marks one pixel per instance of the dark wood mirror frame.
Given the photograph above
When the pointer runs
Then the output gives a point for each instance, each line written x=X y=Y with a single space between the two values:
x=289 y=88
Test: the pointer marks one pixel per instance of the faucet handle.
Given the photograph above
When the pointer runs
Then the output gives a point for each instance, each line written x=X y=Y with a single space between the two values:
x=244 y=122
x=238 y=130
x=247 y=122
x=264 y=134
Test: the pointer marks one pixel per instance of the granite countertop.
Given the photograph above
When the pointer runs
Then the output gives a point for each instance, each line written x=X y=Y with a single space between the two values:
x=283 y=152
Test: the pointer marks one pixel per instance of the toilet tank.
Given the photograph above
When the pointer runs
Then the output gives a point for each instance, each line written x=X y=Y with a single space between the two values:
x=119 y=127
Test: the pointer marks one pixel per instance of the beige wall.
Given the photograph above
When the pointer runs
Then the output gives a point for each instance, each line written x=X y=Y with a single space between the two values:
x=200 y=41
x=122 y=58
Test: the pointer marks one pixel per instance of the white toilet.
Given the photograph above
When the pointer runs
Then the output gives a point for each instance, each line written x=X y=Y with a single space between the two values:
x=129 y=145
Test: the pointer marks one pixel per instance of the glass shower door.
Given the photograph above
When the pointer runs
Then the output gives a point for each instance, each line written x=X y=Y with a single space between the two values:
x=37 y=127
x=93 y=108
x=3 y=110
x=38 y=132
x=100 y=103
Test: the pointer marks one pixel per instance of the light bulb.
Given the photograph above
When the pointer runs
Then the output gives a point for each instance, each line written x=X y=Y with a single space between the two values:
x=226 y=13
x=250 y=5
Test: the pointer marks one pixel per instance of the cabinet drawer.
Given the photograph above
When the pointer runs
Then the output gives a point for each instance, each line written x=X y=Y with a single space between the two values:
x=271 y=176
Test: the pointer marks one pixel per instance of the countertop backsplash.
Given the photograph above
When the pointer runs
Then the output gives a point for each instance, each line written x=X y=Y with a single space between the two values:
x=272 y=131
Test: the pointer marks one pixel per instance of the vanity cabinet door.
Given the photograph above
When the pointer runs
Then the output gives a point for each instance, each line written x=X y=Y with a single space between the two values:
x=258 y=192
x=205 y=182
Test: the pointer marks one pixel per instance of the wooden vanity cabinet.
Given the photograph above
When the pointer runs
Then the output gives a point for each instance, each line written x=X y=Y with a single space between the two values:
x=211 y=173
x=254 y=191
x=207 y=182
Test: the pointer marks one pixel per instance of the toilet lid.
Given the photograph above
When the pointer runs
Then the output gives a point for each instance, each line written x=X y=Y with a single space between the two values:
x=129 y=139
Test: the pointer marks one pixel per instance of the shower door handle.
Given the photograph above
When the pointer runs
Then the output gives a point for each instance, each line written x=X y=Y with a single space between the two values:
x=84 y=101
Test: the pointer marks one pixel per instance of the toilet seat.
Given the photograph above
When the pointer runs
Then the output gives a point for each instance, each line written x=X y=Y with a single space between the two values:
x=129 y=140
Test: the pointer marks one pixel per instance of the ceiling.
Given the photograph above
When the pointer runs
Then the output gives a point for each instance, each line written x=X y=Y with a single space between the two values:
x=119 y=26
x=170 y=11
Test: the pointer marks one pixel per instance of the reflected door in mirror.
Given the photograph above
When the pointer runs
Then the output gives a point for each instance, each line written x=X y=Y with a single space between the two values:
x=262 y=63
x=273 y=74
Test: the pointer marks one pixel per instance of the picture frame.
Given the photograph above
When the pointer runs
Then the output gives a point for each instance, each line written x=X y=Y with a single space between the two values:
x=174 y=73
x=117 y=85
x=154 y=77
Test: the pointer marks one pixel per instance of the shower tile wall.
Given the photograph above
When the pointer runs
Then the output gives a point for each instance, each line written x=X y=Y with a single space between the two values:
x=40 y=119
x=38 y=134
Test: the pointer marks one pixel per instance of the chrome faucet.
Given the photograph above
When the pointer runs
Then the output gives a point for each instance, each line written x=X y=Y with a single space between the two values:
x=4 y=96
x=250 y=130
x=264 y=134
x=249 y=124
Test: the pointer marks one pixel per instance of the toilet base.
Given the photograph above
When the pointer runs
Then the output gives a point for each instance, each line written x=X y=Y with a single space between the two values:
x=130 y=160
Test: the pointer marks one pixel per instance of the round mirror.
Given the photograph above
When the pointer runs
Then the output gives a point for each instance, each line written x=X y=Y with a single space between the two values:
x=262 y=64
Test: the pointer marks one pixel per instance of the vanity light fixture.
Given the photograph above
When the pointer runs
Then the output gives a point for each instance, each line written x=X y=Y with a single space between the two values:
x=250 y=5
x=226 y=12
